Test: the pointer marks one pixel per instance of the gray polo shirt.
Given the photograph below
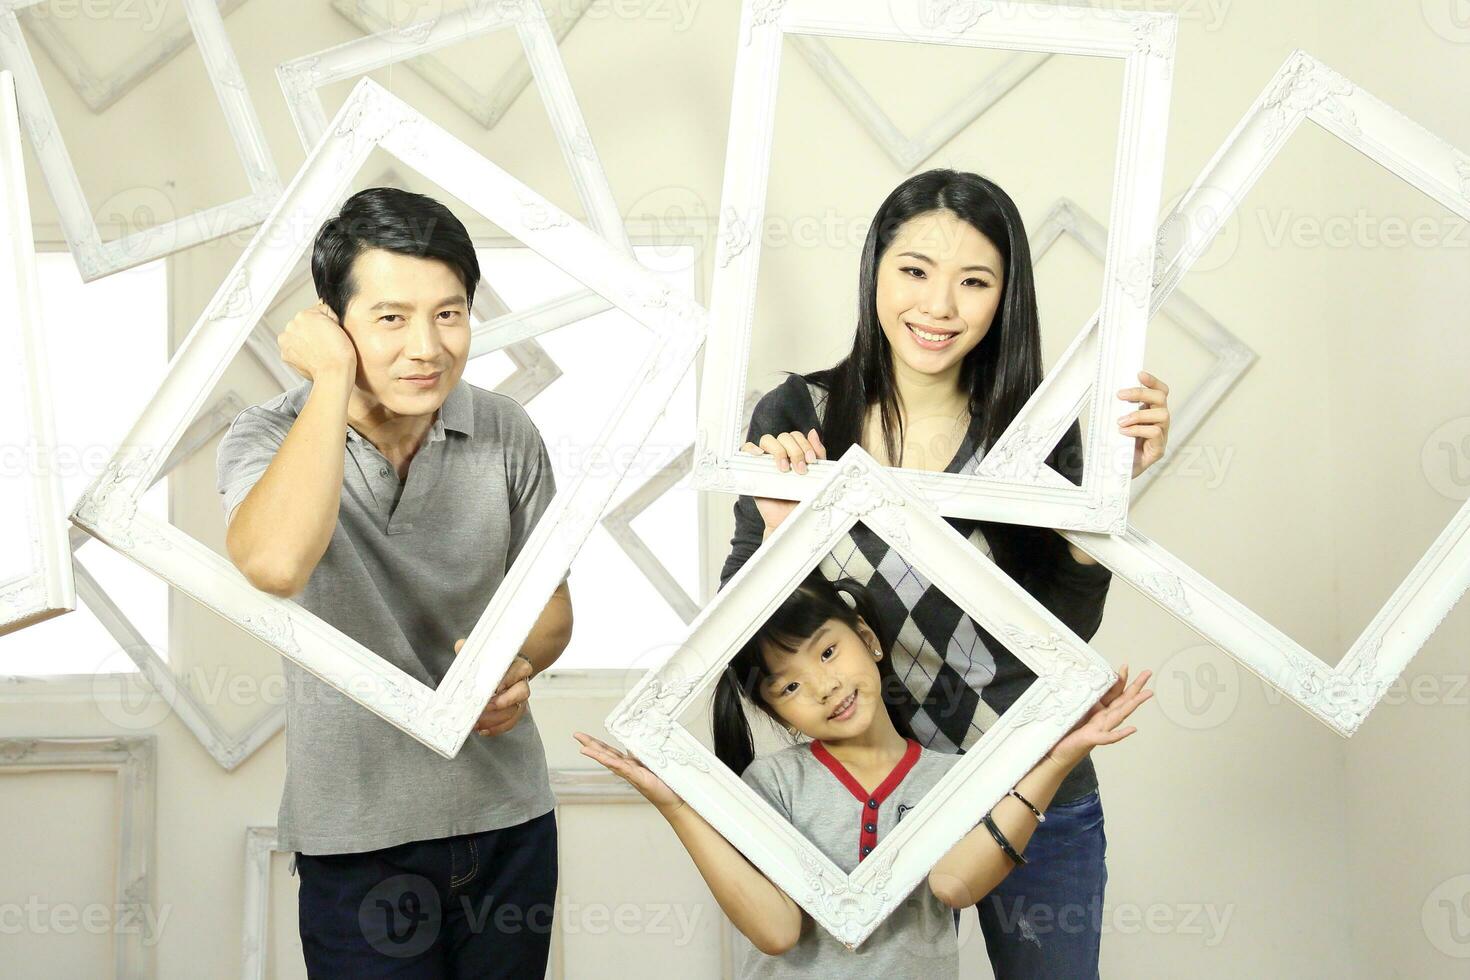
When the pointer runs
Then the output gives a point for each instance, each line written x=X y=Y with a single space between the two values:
x=831 y=809
x=410 y=568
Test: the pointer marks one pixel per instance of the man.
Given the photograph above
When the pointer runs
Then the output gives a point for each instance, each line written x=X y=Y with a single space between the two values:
x=389 y=497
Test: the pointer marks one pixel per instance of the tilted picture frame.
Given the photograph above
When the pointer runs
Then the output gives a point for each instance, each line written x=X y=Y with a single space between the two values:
x=906 y=151
x=302 y=78
x=94 y=257
x=225 y=748
x=1230 y=356
x=1004 y=487
x=1303 y=90
x=134 y=760
x=99 y=91
x=47 y=588
x=486 y=108
x=1071 y=677
x=440 y=717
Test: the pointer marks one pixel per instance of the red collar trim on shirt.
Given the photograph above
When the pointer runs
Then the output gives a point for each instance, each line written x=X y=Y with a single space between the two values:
x=826 y=758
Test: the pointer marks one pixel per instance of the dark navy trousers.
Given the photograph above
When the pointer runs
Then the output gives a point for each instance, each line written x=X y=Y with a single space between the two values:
x=475 y=905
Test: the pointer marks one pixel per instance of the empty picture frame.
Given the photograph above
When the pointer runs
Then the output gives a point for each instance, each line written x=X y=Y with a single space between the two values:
x=46 y=588
x=1232 y=357
x=301 y=78
x=1005 y=487
x=1071 y=677
x=1304 y=90
x=97 y=90
x=94 y=257
x=134 y=761
x=227 y=749
x=910 y=151
x=373 y=118
x=485 y=107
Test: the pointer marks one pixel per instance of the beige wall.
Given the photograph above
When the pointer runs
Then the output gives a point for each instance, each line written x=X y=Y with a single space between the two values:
x=1245 y=838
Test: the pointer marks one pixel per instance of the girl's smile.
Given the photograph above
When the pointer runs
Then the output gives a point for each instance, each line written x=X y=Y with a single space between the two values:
x=845 y=709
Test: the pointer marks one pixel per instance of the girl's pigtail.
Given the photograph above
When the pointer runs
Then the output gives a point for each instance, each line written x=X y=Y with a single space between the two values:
x=734 y=745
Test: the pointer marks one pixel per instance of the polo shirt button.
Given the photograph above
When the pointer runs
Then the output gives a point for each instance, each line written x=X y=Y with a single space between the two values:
x=872 y=804
x=383 y=471
x=871 y=828
x=867 y=850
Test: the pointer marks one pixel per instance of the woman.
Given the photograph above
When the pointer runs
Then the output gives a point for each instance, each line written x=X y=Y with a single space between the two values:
x=947 y=350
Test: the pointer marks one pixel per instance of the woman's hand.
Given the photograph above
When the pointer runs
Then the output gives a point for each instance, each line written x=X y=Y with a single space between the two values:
x=1149 y=426
x=1097 y=726
x=639 y=776
x=791 y=450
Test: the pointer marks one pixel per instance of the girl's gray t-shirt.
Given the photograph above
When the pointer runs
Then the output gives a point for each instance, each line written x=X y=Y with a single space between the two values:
x=918 y=939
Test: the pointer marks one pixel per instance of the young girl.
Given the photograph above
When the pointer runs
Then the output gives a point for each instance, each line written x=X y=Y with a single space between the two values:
x=946 y=351
x=818 y=667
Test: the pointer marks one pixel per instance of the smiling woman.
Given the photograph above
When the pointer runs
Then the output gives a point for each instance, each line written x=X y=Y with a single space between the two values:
x=946 y=351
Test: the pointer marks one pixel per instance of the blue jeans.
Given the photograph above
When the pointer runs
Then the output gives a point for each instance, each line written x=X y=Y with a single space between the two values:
x=475 y=905
x=1045 y=918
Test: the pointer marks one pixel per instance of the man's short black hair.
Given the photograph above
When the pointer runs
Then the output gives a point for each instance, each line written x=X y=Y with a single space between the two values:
x=393 y=219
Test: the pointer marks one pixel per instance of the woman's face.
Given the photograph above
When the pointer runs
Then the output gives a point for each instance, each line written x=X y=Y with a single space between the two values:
x=939 y=285
x=830 y=686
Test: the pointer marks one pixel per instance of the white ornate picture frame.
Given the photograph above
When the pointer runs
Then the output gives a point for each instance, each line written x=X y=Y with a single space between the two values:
x=440 y=717
x=1005 y=486
x=486 y=108
x=47 y=587
x=100 y=91
x=1303 y=90
x=134 y=760
x=1071 y=677
x=302 y=78
x=1231 y=357
x=94 y=257
x=225 y=748
x=906 y=151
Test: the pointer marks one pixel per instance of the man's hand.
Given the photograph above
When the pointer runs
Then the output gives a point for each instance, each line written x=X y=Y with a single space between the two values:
x=507 y=705
x=315 y=344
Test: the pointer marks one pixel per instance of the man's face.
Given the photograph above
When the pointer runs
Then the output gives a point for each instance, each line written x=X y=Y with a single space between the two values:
x=409 y=320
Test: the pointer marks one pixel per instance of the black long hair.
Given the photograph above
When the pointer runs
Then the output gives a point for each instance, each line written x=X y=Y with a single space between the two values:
x=1003 y=369
x=1000 y=374
x=802 y=613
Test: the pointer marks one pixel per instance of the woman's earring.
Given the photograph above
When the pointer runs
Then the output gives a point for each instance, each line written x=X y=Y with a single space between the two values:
x=877 y=654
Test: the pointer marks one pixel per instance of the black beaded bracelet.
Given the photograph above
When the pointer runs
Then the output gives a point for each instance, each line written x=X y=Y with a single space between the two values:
x=1040 y=817
x=1000 y=839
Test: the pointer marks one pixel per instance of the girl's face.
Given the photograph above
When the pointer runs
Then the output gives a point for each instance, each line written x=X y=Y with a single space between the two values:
x=939 y=285
x=830 y=686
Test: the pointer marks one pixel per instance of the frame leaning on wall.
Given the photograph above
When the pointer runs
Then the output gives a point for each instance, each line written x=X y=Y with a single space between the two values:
x=47 y=588
x=101 y=91
x=904 y=150
x=134 y=760
x=94 y=257
x=486 y=108
x=440 y=717
x=1232 y=356
x=1303 y=90
x=1006 y=486
x=1071 y=678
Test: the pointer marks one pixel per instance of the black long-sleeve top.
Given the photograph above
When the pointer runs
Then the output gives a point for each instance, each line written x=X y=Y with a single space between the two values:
x=960 y=678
